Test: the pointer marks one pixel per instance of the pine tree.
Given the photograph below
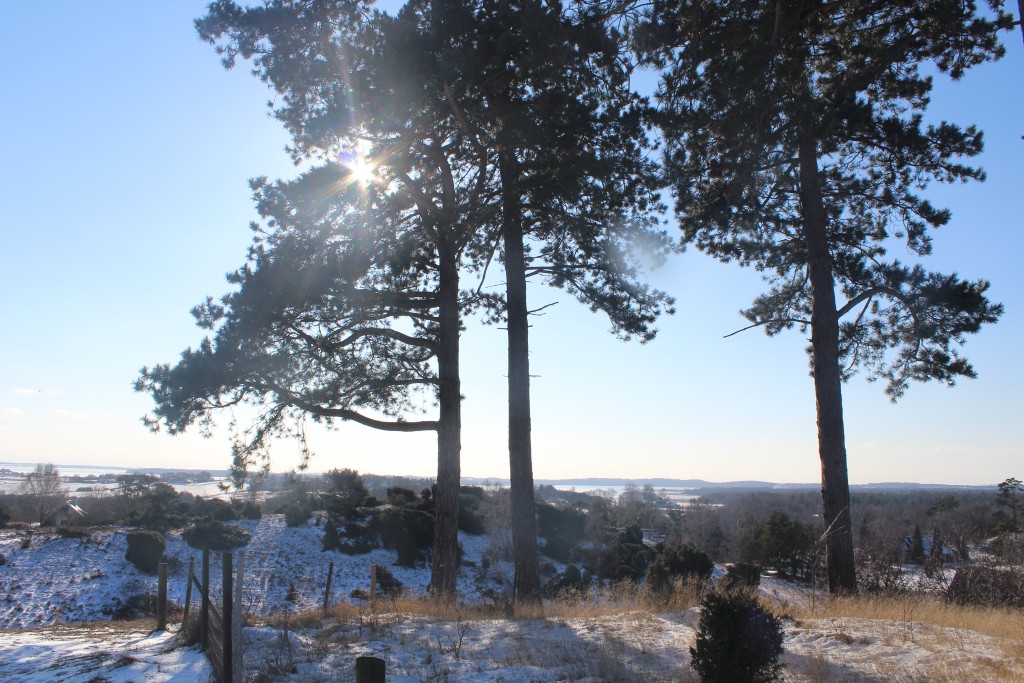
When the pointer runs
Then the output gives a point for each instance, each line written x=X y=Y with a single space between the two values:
x=916 y=554
x=796 y=144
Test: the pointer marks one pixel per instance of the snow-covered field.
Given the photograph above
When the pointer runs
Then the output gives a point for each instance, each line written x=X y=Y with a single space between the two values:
x=56 y=581
x=71 y=580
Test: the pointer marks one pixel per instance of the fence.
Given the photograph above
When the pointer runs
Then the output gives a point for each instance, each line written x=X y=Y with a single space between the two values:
x=220 y=627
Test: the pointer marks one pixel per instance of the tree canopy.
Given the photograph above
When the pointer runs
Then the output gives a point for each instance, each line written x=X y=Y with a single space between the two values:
x=797 y=144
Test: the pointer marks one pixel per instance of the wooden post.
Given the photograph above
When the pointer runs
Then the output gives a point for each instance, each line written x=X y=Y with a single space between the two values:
x=188 y=588
x=161 y=598
x=237 y=647
x=373 y=582
x=204 y=613
x=227 y=617
x=327 y=591
x=370 y=670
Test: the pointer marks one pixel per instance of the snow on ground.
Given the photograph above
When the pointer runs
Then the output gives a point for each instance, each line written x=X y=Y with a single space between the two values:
x=56 y=580
x=70 y=580
x=98 y=653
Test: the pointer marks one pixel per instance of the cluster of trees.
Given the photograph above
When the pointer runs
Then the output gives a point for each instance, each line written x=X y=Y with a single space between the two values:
x=456 y=133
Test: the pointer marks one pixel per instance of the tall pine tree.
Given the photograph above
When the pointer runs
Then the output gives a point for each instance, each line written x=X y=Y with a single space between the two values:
x=796 y=144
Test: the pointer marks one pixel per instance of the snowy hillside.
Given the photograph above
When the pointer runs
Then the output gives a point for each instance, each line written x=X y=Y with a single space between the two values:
x=70 y=580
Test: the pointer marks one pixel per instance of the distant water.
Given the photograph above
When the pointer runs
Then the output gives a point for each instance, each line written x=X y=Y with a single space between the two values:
x=677 y=494
x=65 y=470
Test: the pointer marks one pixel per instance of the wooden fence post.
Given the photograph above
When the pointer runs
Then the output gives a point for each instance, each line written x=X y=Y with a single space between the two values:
x=161 y=598
x=370 y=670
x=204 y=613
x=373 y=582
x=327 y=591
x=188 y=588
x=237 y=647
x=227 y=617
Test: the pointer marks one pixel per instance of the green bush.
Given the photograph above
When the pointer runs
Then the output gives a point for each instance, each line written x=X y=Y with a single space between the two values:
x=5 y=514
x=294 y=515
x=346 y=493
x=145 y=549
x=67 y=531
x=331 y=540
x=248 y=509
x=562 y=529
x=214 y=508
x=737 y=640
x=408 y=531
x=471 y=503
x=743 y=574
x=215 y=536
x=626 y=558
x=683 y=561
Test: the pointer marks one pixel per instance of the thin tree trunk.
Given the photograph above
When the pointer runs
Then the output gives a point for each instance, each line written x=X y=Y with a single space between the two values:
x=835 y=487
x=527 y=587
x=445 y=560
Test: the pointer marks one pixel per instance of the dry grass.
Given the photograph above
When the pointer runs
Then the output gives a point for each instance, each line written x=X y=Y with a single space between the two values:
x=922 y=609
x=621 y=598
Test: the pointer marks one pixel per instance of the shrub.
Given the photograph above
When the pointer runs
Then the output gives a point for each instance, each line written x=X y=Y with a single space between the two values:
x=346 y=493
x=471 y=518
x=145 y=549
x=5 y=514
x=387 y=584
x=408 y=531
x=3 y=559
x=295 y=515
x=400 y=496
x=214 y=508
x=248 y=509
x=987 y=586
x=562 y=529
x=743 y=574
x=737 y=639
x=683 y=561
x=331 y=540
x=215 y=536
x=627 y=557
x=67 y=531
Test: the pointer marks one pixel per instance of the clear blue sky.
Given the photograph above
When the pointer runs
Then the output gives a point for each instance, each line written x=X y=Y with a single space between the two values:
x=126 y=151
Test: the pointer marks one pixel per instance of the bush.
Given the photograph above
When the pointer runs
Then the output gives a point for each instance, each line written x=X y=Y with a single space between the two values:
x=627 y=557
x=295 y=515
x=248 y=509
x=5 y=514
x=987 y=586
x=387 y=584
x=72 y=532
x=683 y=561
x=346 y=493
x=215 y=536
x=743 y=574
x=331 y=540
x=737 y=640
x=471 y=502
x=145 y=549
x=408 y=531
x=214 y=508
x=562 y=529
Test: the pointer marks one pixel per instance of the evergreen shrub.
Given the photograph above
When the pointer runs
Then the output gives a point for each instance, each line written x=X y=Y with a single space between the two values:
x=737 y=639
x=145 y=549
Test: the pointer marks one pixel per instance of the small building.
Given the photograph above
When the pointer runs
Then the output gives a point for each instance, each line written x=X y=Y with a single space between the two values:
x=66 y=515
x=948 y=554
x=652 y=538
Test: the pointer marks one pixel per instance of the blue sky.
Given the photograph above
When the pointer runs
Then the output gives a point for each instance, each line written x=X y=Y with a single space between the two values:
x=126 y=154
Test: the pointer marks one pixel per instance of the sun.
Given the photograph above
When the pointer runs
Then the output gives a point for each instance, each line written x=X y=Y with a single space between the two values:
x=363 y=171
x=360 y=168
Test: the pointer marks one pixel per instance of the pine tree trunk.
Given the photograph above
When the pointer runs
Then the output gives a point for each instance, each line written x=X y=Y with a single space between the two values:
x=835 y=487
x=445 y=561
x=527 y=587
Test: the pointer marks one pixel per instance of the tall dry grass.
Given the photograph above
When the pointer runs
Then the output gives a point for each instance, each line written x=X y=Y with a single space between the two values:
x=922 y=609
